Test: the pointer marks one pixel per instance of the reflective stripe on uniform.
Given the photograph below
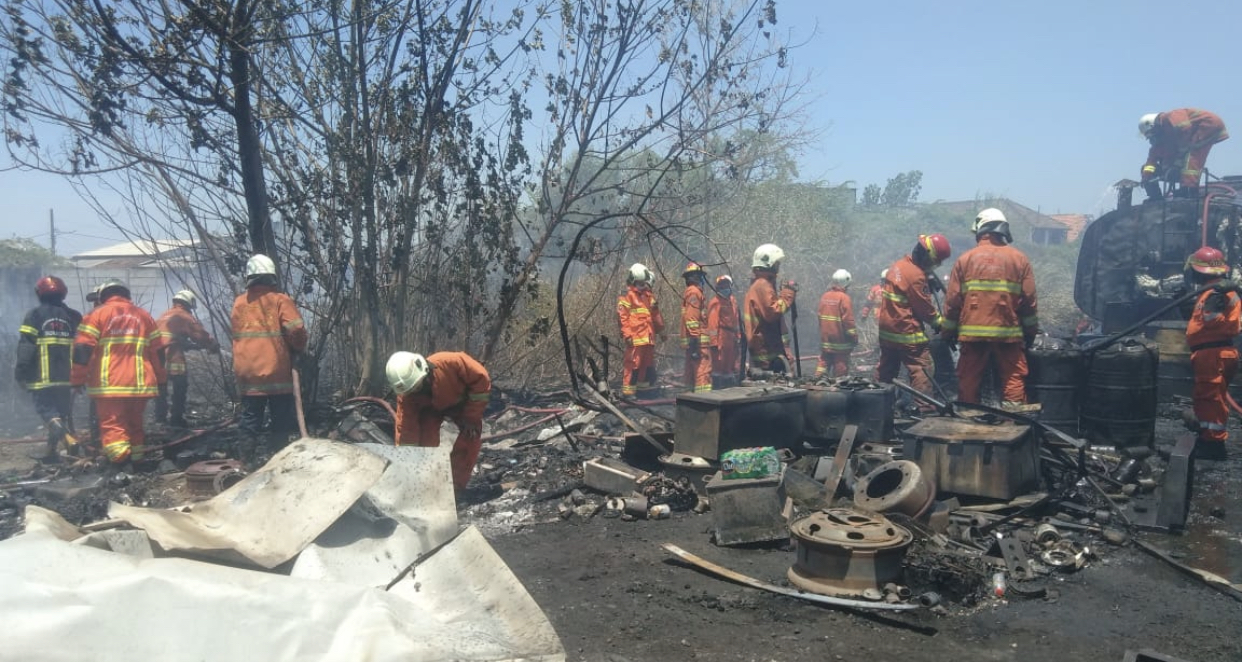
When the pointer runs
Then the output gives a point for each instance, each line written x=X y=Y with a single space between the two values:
x=990 y=331
x=992 y=286
x=904 y=338
x=893 y=296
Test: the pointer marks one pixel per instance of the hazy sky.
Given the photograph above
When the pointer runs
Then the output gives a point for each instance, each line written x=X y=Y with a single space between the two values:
x=1037 y=101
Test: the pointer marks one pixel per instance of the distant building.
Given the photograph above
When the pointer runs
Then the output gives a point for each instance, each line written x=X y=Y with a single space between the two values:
x=1075 y=222
x=1026 y=224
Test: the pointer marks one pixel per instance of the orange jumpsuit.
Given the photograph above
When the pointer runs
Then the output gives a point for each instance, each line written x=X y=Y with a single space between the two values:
x=764 y=318
x=180 y=329
x=696 y=340
x=267 y=329
x=119 y=344
x=837 y=334
x=722 y=325
x=990 y=308
x=457 y=388
x=640 y=322
x=874 y=296
x=1215 y=322
x=1183 y=138
x=905 y=306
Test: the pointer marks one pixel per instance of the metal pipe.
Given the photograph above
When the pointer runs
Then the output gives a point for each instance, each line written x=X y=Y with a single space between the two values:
x=1143 y=322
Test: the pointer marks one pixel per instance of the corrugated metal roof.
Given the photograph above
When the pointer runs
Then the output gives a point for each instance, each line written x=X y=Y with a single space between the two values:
x=149 y=248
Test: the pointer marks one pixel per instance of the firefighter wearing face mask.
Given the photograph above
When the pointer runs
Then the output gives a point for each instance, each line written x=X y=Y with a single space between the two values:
x=1215 y=322
x=907 y=305
x=763 y=311
x=695 y=337
x=641 y=321
x=722 y=324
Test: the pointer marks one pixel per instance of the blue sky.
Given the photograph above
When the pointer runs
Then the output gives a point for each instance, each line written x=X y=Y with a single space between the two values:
x=1036 y=101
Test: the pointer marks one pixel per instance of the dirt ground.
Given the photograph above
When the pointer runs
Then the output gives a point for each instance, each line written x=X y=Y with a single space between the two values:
x=613 y=594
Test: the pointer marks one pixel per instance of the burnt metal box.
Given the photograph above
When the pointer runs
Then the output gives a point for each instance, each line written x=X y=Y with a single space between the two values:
x=830 y=408
x=612 y=476
x=746 y=510
x=710 y=424
x=975 y=459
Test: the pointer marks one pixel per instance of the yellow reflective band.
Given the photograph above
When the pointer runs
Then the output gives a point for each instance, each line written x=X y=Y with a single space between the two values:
x=484 y=397
x=830 y=318
x=893 y=296
x=293 y=324
x=51 y=340
x=641 y=311
x=1149 y=168
x=88 y=330
x=257 y=334
x=991 y=331
x=117 y=450
x=992 y=286
x=29 y=330
x=837 y=346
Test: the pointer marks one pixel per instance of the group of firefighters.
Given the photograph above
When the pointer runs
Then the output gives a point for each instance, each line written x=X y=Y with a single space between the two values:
x=123 y=358
x=989 y=316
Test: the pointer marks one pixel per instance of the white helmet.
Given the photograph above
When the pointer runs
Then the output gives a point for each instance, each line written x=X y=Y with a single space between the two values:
x=1147 y=123
x=260 y=265
x=406 y=371
x=841 y=278
x=639 y=273
x=768 y=256
x=884 y=274
x=187 y=297
x=992 y=220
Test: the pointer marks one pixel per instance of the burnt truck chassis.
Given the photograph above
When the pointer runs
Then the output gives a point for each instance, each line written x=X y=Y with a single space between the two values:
x=1131 y=259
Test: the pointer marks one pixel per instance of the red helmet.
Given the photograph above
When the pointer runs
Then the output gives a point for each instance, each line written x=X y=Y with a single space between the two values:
x=51 y=286
x=937 y=246
x=693 y=268
x=1208 y=261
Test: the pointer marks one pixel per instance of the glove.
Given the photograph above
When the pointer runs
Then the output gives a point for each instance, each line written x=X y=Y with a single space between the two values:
x=694 y=347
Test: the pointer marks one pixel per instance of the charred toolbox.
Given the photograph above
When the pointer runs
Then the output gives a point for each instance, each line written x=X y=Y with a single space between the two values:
x=975 y=459
x=710 y=424
x=860 y=402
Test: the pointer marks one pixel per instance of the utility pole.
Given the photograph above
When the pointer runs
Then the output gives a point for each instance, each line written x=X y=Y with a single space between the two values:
x=51 y=219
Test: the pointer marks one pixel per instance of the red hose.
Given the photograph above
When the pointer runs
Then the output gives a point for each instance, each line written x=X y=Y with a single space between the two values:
x=189 y=437
x=379 y=401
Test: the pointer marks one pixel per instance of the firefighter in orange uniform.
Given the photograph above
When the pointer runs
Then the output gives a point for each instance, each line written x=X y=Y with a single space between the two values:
x=267 y=332
x=444 y=385
x=695 y=337
x=722 y=324
x=874 y=297
x=907 y=305
x=640 y=322
x=1180 y=142
x=837 y=334
x=990 y=308
x=182 y=331
x=120 y=346
x=1214 y=323
x=764 y=311
x=45 y=363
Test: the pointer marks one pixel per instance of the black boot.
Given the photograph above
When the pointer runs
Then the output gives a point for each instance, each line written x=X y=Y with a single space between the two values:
x=1210 y=451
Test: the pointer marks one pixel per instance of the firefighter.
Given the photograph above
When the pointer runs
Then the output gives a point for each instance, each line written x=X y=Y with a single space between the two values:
x=267 y=332
x=722 y=324
x=182 y=331
x=764 y=311
x=837 y=334
x=696 y=339
x=991 y=310
x=1180 y=142
x=45 y=363
x=905 y=307
x=874 y=296
x=120 y=345
x=444 y=385
x=1214 y=324
x=640 y=322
